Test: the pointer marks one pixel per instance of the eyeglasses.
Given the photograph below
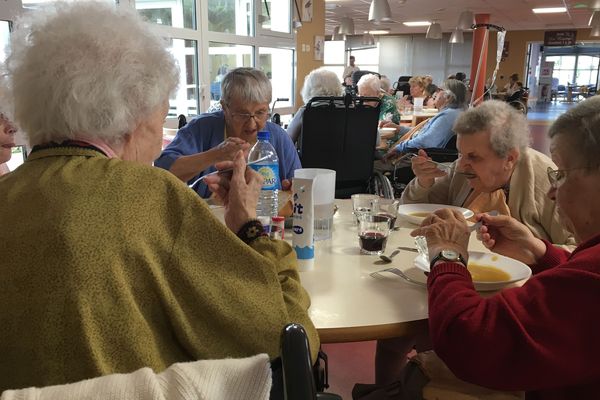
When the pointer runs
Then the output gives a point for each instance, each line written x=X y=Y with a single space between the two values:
x=557 y=176
x=260 y=116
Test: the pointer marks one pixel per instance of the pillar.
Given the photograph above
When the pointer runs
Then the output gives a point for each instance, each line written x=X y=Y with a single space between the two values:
x=479 y=57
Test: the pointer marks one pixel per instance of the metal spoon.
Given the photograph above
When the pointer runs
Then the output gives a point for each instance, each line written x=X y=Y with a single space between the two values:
x=388 y=259
x=475 y=227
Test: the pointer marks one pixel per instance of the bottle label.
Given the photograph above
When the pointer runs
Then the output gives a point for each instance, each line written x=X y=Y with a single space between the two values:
x=270 y=174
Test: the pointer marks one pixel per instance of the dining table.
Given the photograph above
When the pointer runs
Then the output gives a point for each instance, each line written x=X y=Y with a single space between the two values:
x=351 y=302
x=415 y=118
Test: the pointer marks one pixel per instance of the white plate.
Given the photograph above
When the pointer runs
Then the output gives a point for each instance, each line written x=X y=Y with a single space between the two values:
x=405 y=211
x=387 y=130
x=516 y=269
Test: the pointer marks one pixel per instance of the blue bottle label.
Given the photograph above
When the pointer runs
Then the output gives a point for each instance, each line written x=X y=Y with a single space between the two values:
x=270 y=174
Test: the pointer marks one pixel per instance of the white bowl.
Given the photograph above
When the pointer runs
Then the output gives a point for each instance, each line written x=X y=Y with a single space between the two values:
x=516 y=269
x=407 y=211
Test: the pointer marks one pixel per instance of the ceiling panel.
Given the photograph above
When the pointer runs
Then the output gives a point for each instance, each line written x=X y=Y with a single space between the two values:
x=510 y=14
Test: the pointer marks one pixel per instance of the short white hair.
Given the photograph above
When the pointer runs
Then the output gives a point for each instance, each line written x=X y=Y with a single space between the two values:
x=246 y=85
x=507 y=127
x=321 y=82
x=370 y=81
x=87 y=69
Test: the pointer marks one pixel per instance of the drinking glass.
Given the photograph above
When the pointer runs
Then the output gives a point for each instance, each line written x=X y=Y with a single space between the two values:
x=373 y=232
x=389 y=208
x=363 y=203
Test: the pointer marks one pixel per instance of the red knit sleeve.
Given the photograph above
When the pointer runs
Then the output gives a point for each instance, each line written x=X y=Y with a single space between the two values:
x=554 y=256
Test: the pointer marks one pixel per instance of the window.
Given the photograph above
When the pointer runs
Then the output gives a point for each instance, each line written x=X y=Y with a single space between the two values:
x=564 y=68
x=367 y=59
x=186 y=97
x=587 y=70
x=221 y=58
x=335 y=57
x=176 y=13
x=231 y=16
x=278 y=65
x=275 y=15
x=4 y=39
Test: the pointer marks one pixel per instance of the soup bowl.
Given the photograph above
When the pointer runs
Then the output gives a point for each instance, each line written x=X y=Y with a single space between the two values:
x=501 y=271
x=416 y=213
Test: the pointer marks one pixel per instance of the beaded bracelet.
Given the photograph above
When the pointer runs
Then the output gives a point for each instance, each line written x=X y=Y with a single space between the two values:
x=251 y=230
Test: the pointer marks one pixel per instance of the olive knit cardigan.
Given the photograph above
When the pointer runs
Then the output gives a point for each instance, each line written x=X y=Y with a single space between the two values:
x=108 y=266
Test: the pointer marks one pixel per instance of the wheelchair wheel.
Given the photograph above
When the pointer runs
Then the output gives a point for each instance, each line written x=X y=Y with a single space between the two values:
x=519 y=106
x=380 y=185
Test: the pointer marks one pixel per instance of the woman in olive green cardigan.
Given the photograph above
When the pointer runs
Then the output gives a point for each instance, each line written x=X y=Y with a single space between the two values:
x=107 y=263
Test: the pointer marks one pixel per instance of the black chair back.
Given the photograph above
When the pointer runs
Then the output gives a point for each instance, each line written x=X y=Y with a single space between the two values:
x=339 y=133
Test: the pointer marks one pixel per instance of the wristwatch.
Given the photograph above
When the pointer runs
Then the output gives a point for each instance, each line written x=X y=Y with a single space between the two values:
x=447 y=255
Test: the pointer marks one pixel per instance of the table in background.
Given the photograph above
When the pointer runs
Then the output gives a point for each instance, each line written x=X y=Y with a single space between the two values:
x=416 y=118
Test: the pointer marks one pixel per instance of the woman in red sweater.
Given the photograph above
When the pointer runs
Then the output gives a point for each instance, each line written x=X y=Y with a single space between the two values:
x=541 y=337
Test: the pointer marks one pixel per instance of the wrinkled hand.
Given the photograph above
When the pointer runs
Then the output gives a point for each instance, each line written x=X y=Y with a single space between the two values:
x=507 y=236
x=425 y=171
x=445 y=229
x=229 y=147
x=391 y=155
x=237 y=190
x=388 y=124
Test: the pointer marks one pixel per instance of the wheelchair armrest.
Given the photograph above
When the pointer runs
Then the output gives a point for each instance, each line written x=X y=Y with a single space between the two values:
x=328 y=396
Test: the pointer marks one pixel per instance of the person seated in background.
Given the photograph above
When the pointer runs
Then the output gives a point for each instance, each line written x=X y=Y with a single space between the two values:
x=437 y=131
x=495 y=171
x=417 y=89
x=386 y=85
x=511 y=86
x=218 y=136
x=517 y=94
x=7 y=142
x=540 y=337
x=430 y=91
x=319 y=82
x=461 y=76
x=119 y=265
x=369 y=85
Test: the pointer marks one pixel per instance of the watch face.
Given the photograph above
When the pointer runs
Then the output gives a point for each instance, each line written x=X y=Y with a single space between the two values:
x=450 y=254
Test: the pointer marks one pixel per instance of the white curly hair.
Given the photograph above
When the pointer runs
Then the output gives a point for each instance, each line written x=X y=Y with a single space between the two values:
x=86 y=69
x=321 y=82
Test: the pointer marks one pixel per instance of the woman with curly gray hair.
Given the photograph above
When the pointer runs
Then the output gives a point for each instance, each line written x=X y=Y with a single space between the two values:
x=318 y=83
x=119 y=265
x=496 y=170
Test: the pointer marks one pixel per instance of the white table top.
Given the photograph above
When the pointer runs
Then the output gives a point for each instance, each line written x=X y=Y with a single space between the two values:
x=350 y=305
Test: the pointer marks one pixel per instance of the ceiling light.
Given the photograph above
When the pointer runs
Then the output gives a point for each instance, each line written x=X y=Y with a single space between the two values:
x=434 y=31
x=595 y=32
x=337 y=35
x=368 y=39
x=379 y=32
x=549 y=10
x=417 y=23
x=457 y=36
x=594 y=19
x=380 y=11
x=347 y=26
x=466 y=20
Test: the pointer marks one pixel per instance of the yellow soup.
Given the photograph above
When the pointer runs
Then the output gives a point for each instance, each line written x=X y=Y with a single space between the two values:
x=486 y=273
x=419 y=214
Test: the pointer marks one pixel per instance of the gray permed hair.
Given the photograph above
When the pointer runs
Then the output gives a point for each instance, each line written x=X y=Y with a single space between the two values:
x=507 y=127
x=87 y=69
x=248 y=85
x=321 y=82
x=582 y=126
x=456 y=93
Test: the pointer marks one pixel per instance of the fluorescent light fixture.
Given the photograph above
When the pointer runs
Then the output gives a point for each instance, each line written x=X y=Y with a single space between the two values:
x=549 y=10
x=379 y=32
x=417 y=23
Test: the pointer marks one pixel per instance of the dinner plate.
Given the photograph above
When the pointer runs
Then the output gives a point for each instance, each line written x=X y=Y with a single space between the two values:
x=515 y=269
x=408 y=211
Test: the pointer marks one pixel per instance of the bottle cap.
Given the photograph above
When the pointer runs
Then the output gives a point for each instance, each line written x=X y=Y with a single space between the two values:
x=264 y=135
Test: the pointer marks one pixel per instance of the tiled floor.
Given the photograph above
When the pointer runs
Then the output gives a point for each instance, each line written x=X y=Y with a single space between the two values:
x=351 y=363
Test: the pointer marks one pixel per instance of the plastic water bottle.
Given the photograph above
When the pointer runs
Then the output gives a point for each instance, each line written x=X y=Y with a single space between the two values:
x=267 y=206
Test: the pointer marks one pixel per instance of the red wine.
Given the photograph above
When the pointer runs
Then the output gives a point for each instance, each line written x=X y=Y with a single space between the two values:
x=372 y=241
x=391 y=217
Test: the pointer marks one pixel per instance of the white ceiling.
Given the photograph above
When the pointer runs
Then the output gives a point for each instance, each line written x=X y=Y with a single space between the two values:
x=510 y=14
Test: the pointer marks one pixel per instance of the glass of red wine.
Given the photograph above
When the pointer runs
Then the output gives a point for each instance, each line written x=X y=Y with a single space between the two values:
x=389 y=208
x=373 y=232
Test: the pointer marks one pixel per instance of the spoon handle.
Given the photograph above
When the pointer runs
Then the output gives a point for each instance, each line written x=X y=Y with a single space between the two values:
x=394 y=253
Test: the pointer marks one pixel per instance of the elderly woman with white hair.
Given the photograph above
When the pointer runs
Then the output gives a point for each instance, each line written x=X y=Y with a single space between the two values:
x=218 y=136
x=369 y=85
x=109 y=264
x=319 y=82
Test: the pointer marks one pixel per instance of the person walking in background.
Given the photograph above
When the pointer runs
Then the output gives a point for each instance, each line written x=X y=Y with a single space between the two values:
x=350 y=69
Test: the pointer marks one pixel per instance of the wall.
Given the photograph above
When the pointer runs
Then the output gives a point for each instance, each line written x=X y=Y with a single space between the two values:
x=517 y=52
x=305 y=36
